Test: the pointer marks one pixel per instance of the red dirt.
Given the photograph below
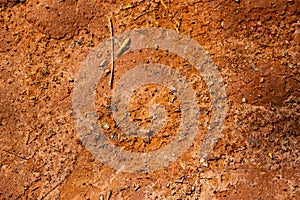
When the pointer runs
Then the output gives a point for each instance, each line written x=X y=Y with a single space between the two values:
x=254 y=44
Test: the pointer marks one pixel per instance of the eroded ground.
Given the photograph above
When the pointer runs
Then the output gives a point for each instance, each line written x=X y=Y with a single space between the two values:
x=254 y=44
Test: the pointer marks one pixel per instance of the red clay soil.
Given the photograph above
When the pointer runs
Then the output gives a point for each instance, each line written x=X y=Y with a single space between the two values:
x=255 y=44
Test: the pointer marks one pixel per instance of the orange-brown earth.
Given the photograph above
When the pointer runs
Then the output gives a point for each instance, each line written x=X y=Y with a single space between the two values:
x=254 y=44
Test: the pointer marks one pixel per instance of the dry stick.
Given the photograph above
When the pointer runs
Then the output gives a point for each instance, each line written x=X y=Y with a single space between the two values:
x=109 y=193
x=27 y=137
x=53 y=188
x=47 y=193
x=145 y=13
x=62 y=181
x=296 y=79
x=164 y=5
x=112 y=53
x=12 y=153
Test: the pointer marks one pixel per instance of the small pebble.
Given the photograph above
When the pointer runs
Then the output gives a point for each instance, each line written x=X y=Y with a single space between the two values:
x=255 y=68
x=205 y=164
x=106 y=72
x=36 y=174
x=105 y=126
x=180 y=180
x=291 y=66
x=173 y=90
x=262 y=80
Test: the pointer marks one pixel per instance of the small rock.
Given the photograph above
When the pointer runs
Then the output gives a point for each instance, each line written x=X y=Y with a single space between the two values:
x=205 y=164
x=291 y=66
x=255 y=68
x=37 y=174
x=70 y=79
x=173 y=90
x=105 y=126
x=32 y=97
x=179 y=180
x=106 y=72
x=73 y=44
x=190 y=190
x=270 y=155
x=262 y=80
x=244 y=100
x=211 y=83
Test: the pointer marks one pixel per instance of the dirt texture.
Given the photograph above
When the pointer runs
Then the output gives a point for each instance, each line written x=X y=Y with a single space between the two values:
x=255 y=45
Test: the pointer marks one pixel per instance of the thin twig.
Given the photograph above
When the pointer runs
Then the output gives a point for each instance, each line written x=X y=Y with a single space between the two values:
x=296 y=79
x=27 y=134
x=112 y=53
x=164 y=5
x=52 y=189
x=177 y=26
x=12 y=153
x=65 y=179
x=109 y=193
x=144 y=14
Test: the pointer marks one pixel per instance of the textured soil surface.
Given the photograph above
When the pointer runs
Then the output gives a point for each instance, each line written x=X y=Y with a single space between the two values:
x=254 y=43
